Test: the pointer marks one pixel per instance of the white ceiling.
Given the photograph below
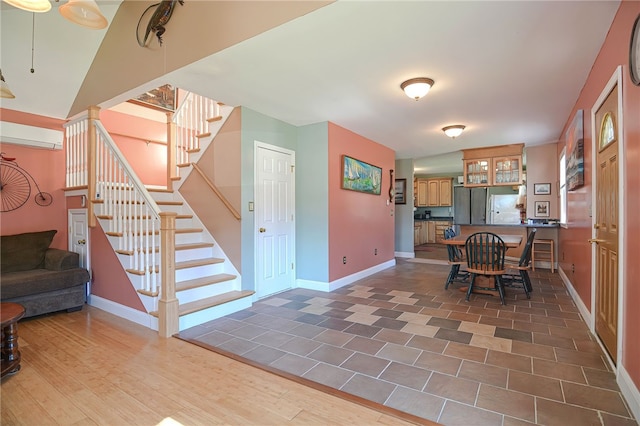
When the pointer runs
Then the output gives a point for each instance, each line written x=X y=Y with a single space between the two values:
x=509 y=71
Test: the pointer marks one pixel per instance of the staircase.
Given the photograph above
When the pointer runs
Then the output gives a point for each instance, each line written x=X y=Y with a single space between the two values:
x=198 y=276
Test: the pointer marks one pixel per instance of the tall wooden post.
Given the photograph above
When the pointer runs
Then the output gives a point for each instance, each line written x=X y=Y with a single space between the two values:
x=171 y=149
x=168 y=318
x=94 y=115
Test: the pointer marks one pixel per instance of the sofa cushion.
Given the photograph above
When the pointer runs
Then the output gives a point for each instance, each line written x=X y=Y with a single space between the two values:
x=23 y=283
x=22 y=252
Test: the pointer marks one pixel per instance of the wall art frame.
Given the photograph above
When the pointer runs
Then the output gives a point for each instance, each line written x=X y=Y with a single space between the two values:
x=541 y=188
x=360 y=176
x=541 y=208
x=574 y=139
x=400 y=190
x=163 y=98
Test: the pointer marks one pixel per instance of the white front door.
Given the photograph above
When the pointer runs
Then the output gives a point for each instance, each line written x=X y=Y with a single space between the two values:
x=79 y=238
x=274 y=214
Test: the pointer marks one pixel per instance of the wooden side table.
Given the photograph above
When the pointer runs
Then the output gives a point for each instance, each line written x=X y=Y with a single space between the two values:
x=11 y=314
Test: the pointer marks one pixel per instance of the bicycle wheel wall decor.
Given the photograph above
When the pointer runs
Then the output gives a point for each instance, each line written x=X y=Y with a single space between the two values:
x=14 y=188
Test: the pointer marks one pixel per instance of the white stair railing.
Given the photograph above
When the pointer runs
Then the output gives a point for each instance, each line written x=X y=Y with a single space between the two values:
x=135 y=216
x=76 y=161
x=191 y=121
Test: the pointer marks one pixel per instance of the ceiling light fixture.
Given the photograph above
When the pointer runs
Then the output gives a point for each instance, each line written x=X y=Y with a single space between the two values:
x=31 y=5
x=85 y=13
x=5 y=92
x=453 y=131
x=416 y=88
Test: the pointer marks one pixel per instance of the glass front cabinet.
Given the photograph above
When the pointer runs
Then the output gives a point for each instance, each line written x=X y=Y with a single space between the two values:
x=507 y=170
x=477 y=172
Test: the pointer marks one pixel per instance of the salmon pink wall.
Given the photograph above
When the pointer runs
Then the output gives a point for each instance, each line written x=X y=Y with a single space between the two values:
x=108 y=279
x=149 y=160
x=573 y=245
x=359 y=223
x=47 y=168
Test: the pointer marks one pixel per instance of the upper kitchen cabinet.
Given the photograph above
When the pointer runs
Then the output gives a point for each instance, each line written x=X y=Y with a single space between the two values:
x=439 y=192
x=421 y=189
x=493 y=166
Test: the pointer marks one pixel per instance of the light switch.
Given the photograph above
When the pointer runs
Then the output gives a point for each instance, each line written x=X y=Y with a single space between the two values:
x=250 y=206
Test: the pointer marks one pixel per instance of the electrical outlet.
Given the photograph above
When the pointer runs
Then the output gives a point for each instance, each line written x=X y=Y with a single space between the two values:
x=344 y=260
x=375 y=252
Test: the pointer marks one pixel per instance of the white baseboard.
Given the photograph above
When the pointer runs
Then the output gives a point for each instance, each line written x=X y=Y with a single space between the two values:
x=627 y=387
x=408 y=254
x=576 y=298
x=629 y=390
x=125 y=312
x=323 y=286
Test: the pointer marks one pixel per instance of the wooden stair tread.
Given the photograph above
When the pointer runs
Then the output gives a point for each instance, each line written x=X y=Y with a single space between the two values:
x=160 y=190
x=210 y=302
x=169 y=203
x=203 y=135
x=203 y=281
x=190 y=246
x=198 y=262
x=214 y=119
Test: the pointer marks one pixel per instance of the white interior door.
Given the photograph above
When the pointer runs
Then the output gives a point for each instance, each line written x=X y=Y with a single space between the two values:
x=274 y=213
x=79 y=239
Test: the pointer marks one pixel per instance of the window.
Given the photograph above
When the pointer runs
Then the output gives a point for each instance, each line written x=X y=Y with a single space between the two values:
x=563 y=188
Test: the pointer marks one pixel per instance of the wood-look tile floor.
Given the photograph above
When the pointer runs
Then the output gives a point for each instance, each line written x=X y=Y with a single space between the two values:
x=398 y=338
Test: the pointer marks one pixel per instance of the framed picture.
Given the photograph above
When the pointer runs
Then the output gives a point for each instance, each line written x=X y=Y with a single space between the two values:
x=163 y=98
x=400 y=191
x=541 y=209
x=574 y=139
x=541 y=188
x=360 y=176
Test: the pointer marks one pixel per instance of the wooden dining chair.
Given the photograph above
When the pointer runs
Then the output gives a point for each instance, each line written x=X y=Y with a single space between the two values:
x=485 y=253
x=456 y=260
x=517 y=275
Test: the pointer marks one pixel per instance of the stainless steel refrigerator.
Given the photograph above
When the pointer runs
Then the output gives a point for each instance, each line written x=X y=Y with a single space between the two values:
x=469 y=206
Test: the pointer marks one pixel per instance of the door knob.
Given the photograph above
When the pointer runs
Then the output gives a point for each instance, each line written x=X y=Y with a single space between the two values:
x=596 y=240
x=596 y=226
x=262 y=230
x=82 y=241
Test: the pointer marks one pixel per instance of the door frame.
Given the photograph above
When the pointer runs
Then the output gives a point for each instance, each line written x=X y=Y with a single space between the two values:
x=70 y=214
x=616 y=78
x=292 y=154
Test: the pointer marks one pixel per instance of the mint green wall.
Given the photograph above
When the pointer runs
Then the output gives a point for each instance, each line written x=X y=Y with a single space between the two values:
x=404 y=212
x=312 y=203
x=257 y=127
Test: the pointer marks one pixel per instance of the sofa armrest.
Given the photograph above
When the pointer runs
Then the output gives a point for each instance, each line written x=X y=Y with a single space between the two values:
x=58 y=260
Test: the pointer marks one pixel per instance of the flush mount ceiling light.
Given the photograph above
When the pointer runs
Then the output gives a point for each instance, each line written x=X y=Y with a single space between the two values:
x=85 y=13
x=453 y=131
x=5 y=92
x=31 y=5
x=416 y=88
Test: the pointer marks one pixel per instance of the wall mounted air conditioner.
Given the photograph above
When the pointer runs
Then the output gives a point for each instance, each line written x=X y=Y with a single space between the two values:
x=36 y=137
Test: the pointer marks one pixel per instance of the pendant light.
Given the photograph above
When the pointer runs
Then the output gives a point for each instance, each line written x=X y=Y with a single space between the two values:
x=5 y=92
x=85 y=13
x=31 y=5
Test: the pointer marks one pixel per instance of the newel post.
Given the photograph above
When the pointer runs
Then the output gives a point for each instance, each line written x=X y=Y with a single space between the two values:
x=168 y=303
x=171 y=149
x=92 y=136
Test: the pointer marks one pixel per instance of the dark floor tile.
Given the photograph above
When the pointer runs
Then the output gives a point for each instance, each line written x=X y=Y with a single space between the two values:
x=554 y=413
x=533 y=350
x=310 y=318
x=335 y=324
x=611 y=420
x=264 y=354
x=333 y=337
x=297 y=297
x=596 y=398
x=337 y=313
x=585 y=359
x=399 y=353
x=491 y=375
x=444 y=323
x=545 y=387
x=294 y=364
x=558 y=370
x=600 y=378
x=454 y=335
x=388 y=313
x=273 y=338
x=393 y=336
x=240 y=315
x=556 y=342
x=215 y=338
x=300 y=346
x=340 y=305
x=450 y=387
x=435 y=362
x=508 y=333
x=389 y=323
x=460 y=350
x=237 y=346
x=329 y=375
x=362 y=330
x=507 y=402
x=295 y=305
x=381 y=297
x=330 y=354
x=249 y=331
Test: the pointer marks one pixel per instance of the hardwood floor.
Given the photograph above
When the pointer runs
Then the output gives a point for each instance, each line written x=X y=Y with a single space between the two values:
x=90 y=367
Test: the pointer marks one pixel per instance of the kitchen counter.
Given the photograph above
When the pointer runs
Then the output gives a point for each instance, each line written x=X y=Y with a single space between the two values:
x=435 y=218
x=520 y=225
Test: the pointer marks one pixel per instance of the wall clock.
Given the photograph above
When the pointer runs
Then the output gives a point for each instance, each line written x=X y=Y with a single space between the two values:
x=634 y=53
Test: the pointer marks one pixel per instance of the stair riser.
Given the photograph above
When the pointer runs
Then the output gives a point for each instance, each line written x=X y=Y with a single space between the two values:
x=200 y=317
x=200 y=271
x=192 y=254
x=216 y=289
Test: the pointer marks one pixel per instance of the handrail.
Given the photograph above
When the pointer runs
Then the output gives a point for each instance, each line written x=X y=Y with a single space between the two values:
x=215 y=189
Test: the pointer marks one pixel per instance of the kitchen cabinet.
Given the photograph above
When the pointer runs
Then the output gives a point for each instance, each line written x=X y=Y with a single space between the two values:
x=439 y=192
x=440 y=226
x=421 y=193
x=420 y=232
x=432 y=232
x=493 y=166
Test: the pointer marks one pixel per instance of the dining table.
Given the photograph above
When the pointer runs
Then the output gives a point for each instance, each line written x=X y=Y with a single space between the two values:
x=511 y=241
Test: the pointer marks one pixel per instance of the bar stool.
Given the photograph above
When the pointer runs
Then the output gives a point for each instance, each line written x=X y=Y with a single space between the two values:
x=542 y=250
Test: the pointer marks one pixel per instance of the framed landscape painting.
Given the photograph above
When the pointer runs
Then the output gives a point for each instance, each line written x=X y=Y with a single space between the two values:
x=360 y=176
x=574 y=139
